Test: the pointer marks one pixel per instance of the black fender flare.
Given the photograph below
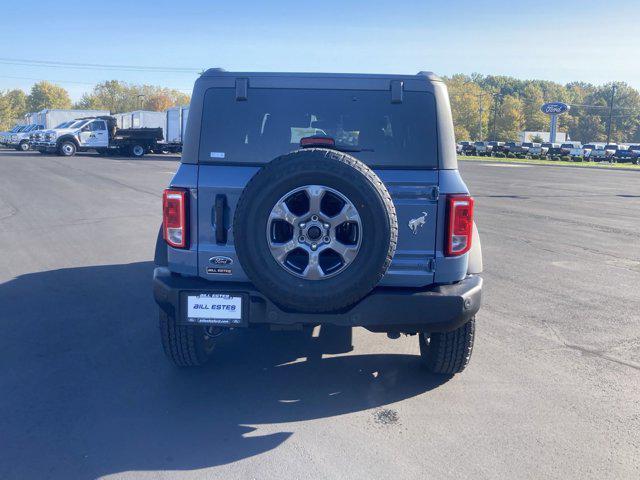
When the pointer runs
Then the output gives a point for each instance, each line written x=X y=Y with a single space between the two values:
x=161 y=256
x=65 y=138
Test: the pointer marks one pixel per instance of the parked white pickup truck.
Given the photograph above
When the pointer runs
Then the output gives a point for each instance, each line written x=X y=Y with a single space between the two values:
x=537 y=149
x=598 y=153
x=573 y=149
x=586 y=149
x=20 y=140
x=483 y=148
x=611 y=149
x=38 y=136
x=5 y=137
x=100 y=134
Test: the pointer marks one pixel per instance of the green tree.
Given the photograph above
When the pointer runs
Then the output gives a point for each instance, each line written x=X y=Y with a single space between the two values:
x=13 y=106
x=510 y=119
x=588 y=128
x=118 y=97
x=533 y=99
x=47 y=95
x=520 y=109
x=470 y=107
x=17 y=101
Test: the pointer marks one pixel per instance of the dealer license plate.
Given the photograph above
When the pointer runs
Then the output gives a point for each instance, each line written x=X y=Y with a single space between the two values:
x=215 y=309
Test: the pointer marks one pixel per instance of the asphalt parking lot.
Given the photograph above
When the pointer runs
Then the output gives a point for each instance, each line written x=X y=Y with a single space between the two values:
x=553 y=389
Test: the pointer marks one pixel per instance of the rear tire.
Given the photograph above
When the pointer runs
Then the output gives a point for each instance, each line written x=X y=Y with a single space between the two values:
x=136 y=151
x=184 y=345
x=447 y=353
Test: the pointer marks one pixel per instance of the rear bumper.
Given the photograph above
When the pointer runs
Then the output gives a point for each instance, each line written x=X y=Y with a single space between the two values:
x=407 y=310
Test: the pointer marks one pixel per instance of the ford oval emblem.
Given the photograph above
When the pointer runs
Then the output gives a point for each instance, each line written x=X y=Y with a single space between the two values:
x=220 y=260
x=554 y=108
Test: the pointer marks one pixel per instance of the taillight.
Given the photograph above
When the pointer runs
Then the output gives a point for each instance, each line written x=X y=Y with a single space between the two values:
x=174 y=217
x=460 y=224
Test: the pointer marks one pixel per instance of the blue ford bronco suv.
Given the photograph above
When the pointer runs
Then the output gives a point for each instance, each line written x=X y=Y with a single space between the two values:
x=312 y=199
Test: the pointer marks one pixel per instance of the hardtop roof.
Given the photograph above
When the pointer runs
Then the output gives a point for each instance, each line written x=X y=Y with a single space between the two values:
x=219 y=72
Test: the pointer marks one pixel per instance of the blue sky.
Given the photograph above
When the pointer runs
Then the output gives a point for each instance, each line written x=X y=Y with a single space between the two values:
x=562 y=40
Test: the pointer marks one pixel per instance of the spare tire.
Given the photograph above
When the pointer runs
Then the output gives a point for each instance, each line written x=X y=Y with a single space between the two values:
x=315 y=230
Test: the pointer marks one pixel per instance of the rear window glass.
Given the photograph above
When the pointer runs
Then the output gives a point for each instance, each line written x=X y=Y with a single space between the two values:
x=271 y=122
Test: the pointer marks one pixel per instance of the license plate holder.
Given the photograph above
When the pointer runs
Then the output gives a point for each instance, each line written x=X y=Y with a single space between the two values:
x=215 y=309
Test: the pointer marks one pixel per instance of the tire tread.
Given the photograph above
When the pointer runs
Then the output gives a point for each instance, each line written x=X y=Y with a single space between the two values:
x=179 y=342
x=448 y=353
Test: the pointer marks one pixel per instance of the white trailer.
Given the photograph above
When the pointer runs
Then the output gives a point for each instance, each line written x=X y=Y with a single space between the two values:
x=31 y=118
x=175 y=123
x=51 y=118
x=123 y=120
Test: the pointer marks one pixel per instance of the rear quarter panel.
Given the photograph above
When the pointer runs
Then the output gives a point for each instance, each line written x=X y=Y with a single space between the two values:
x=185 y=261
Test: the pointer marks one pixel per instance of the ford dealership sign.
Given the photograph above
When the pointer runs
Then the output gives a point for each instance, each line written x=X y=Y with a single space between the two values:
x=554 y=108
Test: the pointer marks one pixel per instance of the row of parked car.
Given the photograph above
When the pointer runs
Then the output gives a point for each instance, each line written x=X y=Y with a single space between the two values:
x=597 y=152
x=158 y=132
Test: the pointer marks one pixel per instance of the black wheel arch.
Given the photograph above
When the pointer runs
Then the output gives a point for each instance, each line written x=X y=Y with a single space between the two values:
x=161 y=258
x=66 y=138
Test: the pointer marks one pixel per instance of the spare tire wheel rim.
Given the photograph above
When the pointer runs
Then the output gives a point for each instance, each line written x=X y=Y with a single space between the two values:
x=314 y=232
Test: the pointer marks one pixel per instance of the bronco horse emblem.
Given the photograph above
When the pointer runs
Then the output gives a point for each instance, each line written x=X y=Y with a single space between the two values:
x=416 y=223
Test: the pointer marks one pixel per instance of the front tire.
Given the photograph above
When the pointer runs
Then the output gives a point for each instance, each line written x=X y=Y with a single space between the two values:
x=184 y=345
x=23 y=147
x=447 y=353
x=67 y=148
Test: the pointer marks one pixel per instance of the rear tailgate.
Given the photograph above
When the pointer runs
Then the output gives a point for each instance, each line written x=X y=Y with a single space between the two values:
x=414 y=195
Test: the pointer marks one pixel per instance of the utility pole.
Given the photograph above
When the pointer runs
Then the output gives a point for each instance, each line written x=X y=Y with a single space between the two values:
x=495 y=115
x=481 y=97
x=613 y=94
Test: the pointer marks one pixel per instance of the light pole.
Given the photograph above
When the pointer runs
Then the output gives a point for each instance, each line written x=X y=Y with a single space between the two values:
x=480 y=120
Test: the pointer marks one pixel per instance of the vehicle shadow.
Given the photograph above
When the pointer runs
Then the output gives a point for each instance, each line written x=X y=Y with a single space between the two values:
x=87 y=390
